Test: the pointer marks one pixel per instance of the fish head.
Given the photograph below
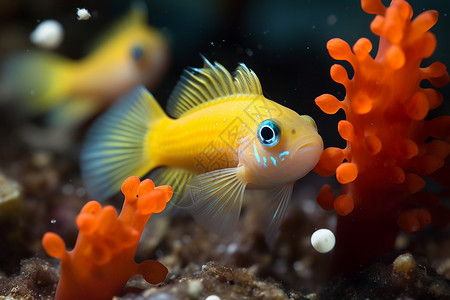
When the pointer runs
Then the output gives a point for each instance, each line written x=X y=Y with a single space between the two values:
x=140 y=51
x=147 y=53
x=280 y=150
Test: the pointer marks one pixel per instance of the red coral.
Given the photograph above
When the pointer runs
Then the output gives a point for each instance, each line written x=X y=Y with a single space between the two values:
x=102 y=260
x=390 y=146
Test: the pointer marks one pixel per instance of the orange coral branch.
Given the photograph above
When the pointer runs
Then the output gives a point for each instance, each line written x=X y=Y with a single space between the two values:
x=388 y=147
x=102 y=260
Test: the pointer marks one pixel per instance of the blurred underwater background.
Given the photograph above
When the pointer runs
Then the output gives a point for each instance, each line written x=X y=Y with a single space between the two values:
x=284 y=43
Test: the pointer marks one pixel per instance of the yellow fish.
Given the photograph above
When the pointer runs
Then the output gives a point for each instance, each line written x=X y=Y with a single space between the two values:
x=226 y=137
x=130 y=54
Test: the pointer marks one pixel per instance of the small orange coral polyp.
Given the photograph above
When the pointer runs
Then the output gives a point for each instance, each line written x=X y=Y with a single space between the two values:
x=388 y=141
x=102 y=260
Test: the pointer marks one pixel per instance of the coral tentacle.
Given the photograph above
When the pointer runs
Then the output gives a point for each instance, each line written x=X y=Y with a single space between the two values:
x=102 y=260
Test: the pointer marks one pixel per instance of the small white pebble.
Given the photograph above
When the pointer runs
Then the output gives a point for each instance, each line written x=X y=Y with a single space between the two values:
x=48 y=34
x=195 y=288
x=404 y=265
x=309 y=206
x=323 y=240
x=213 y=297
x=81 y=192
x=232 y=248
x=83 y=14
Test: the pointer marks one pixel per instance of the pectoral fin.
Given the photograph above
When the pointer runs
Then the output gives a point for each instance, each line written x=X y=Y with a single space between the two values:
x=278 y=198
x=215 y=199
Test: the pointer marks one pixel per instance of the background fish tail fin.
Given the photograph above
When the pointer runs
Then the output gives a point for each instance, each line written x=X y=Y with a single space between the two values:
x=116 y=145
x=39 y=79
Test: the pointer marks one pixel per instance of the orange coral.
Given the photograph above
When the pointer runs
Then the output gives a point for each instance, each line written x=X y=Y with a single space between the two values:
x=102 y=260
x=390 y=146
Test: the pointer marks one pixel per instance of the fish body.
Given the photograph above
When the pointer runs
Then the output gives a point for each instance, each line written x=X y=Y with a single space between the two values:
x=130 y=54
x=217 y=135
x=226 y=137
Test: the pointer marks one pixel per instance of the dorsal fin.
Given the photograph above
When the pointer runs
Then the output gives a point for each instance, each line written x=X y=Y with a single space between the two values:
x=212 y=82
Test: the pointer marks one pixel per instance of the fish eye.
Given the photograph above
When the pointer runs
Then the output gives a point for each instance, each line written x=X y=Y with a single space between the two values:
x=137 y=53
x=268 y=133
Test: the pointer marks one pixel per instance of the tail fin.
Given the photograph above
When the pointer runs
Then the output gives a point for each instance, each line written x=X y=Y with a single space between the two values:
x=37 y=78
x=116 y=145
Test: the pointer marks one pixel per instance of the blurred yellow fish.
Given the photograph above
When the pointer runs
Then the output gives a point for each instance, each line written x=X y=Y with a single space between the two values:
x=226 y=137
x=130 y=54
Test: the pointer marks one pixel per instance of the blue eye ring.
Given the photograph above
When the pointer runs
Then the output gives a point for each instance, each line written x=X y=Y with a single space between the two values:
x=269 y=133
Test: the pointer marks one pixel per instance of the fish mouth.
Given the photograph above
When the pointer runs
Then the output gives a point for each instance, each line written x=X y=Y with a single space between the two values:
x=308 y=155
x=302 y=161
x=309 y=146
